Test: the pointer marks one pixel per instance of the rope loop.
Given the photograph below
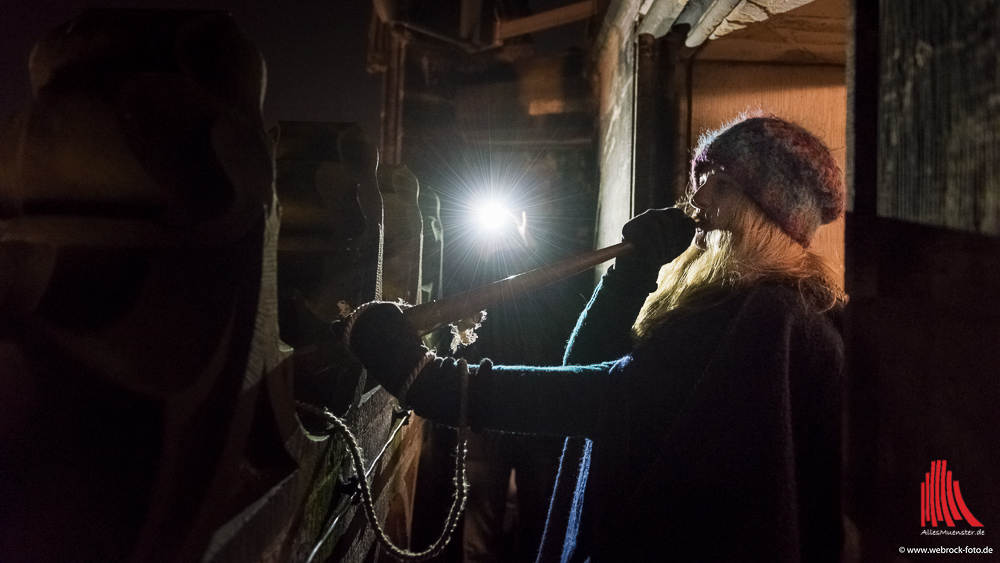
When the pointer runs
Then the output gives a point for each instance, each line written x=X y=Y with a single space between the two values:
x=454 y=512
x=461 y=486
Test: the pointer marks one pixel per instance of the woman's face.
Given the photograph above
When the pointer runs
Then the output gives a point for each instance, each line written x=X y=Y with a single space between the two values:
x=714 y=199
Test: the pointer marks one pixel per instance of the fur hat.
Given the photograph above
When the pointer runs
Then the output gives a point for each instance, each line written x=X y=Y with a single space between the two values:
x=787 y=171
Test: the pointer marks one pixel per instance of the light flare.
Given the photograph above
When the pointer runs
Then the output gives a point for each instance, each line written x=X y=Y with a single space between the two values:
x=492 y=216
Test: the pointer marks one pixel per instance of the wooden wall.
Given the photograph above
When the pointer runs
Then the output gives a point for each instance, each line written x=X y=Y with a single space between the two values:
x=922 y=330
x=939 y=163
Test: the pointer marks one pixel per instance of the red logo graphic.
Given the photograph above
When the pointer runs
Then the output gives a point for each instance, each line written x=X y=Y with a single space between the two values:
x=941 y=499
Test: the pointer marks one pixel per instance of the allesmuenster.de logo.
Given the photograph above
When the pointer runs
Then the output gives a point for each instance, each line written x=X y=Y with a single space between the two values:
x=941 y=499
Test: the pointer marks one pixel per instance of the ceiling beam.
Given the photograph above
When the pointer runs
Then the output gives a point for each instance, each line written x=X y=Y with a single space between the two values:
x=506 y=29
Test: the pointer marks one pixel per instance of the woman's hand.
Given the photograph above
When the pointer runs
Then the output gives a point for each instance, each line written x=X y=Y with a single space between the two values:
x=659 y=236
x=386 y=345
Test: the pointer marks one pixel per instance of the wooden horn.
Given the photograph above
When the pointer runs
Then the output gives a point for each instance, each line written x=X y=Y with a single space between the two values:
x=428 y=317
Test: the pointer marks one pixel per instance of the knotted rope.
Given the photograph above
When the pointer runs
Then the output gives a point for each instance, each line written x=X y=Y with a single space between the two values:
x=461 y=487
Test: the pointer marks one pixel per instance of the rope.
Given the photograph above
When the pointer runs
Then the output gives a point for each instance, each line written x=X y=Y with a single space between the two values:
x=349 y=321
x=454 y=512
x=404 y=389
x=461 y=486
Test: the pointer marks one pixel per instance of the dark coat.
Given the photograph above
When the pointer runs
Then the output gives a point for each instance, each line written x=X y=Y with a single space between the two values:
x=717 y=439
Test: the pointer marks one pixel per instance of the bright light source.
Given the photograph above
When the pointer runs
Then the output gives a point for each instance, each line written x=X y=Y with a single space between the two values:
x=492 y=216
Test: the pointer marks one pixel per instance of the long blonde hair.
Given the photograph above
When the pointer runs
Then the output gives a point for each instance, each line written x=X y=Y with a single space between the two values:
x=753 y=249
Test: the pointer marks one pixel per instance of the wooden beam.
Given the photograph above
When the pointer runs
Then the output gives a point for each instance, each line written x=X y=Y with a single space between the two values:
x=545 y=20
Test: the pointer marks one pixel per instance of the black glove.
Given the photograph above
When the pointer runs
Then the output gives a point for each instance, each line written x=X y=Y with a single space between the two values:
x=386 y=345
x=659 y=236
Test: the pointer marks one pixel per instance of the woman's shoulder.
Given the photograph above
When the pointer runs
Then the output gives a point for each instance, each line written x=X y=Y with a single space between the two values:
x=787 y=303
x=783 y=297
x=771 y=295
x=782 y=305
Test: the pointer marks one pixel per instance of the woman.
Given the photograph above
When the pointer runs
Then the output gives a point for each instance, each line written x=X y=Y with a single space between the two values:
x=710 y=393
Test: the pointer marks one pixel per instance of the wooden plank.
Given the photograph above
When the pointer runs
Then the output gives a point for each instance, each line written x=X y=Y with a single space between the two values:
x=922 y=337
x=545 y=20
x=811 y=34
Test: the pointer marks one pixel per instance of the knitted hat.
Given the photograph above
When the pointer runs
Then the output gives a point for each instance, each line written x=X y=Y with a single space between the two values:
x=787 y=171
